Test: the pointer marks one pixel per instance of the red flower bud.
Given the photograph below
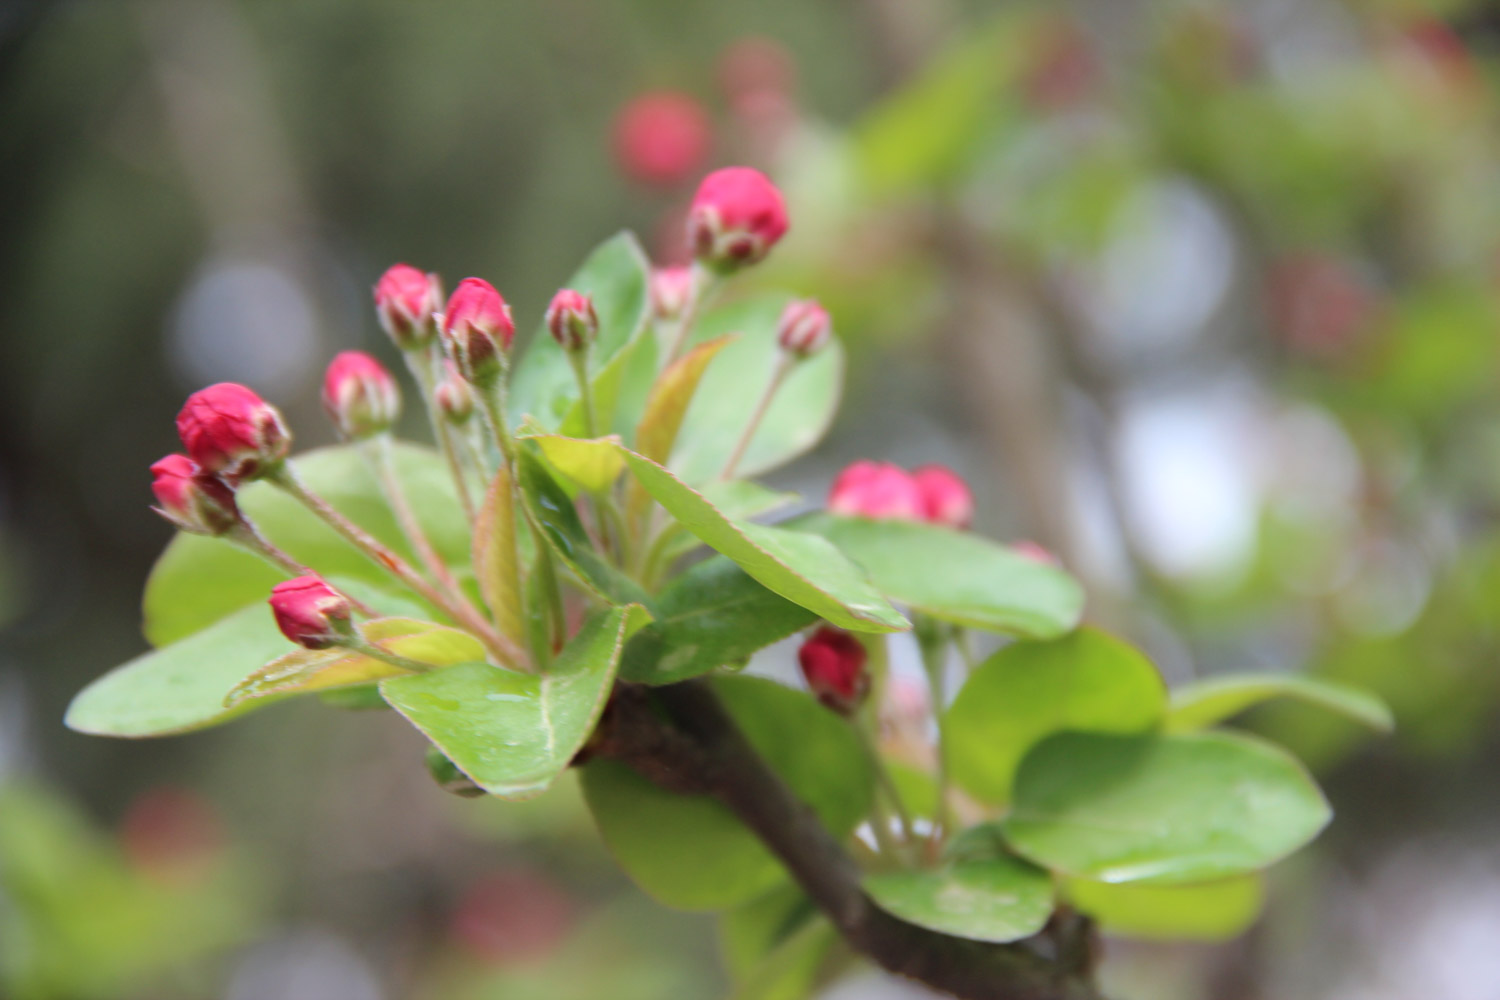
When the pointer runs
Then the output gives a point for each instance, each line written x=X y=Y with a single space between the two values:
x=233 y=433
x=1034 y=552
x=407 y=301
x=737 y=216
x=833 y=663
x=360 y=396
x=661 y=138
x=804 y=328
x=671 y=287
x=191 y=500
x=477 y=330
x=946 y=499
x=311 y=613
x=454 y=398
x=571 y=320
x=876 y=490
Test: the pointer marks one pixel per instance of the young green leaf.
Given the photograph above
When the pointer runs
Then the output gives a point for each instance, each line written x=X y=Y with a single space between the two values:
x=1213 y=911
x=617 y=276
x=497 y=566
x=199 y=580
x=1206 y=702
x=713 y=615
x=798 y=417
x=792 y=969
x=689 y=851
x=982 y=895
x=513 y=732
x=1168 y=809
x=665 y=407
x=305 y=670
x=805 y=569
x=593 y=464
x=1088 y=680
x=747 y=934
x=957 y=576
x=736 y=499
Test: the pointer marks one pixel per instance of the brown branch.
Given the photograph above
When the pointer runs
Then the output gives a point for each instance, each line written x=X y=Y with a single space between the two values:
x=681 y=738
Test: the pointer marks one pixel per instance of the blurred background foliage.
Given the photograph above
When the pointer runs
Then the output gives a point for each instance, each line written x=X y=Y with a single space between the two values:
x=1202 y=296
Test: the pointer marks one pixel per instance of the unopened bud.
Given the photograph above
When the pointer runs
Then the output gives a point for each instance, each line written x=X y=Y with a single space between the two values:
x=407 y=301
x=737 y=216
x=195 y=502
x=946 y=498
x=804 y=328
x=453 y=397
x=662 y=138
x=833 y=664
x=477 y=331
x=311 y=613
x=572 y=321
x=671 y=287
x=232 y=433
x=877 y=490
x=360 y=396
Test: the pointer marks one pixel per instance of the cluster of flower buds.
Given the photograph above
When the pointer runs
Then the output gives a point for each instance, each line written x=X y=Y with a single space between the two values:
x=833 y=664
x=736 y=217
x=883 y=491
x=311 y=613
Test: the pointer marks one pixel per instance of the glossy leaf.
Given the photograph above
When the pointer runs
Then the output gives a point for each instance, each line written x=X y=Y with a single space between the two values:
x=591 y=463
x=957 y=576
x=306 y=670
x=736 y=499
x=1206 y=702
x=514 y=732
x=553 y=512
x=689 y=851
x=1088 y=680
x=1213 y=911
x=805 y=569
x=180 y=687
x=669 y=399
x=1177 y=808
x=616 y=275
x=199 y=580
x=712 y=615
x=796 y=420
x=982 y=895
x=496 y=559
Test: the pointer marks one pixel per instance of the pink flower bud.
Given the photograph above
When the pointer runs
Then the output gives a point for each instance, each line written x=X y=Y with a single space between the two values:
x=833 y=663
x=477 y=330
x=360 y=396
x=671 y=287
x=191 y=500
x=737 y=216
x=661 y=138
x=572 y=321
x=876 y=490
x=946 y=499
x=1034 y=552
x=407 y=301
x=804 y=328
x=311 y=613
x=233 y=433
x=454 y=398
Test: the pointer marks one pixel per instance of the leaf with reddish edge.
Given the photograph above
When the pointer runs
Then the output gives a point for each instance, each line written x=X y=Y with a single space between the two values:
x=665 y=407
x=496 y=561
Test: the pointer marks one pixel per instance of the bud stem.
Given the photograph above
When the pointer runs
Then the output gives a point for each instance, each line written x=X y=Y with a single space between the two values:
x=378 y=451
x=933 y=642
x=785 y=361
x=579 y=362
x=423 y=365
x=287 y=480
x=705 y=284
x=492 y=401
x=358 y=644
x=247 y=537
x=863 y=726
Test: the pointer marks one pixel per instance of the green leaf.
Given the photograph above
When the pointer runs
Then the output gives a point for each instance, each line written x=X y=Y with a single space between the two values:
x=712 y=615
x=689 y=851
x=805 y=569
x=1213 y=911
x=591 y=463
x=1028 y=690
x=306 y=670
x=793 y=969
x=736 y=499
x=665 y=406
x=747 y=934
x=514 y=732
x=957 y=576
x=983 y=895
x=1203 y=703
x=497 y=566
x=617 y=276
x=552 y=510
x=199 y=580
x=733 y=385
x=1177 y=808
x=180 y=687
